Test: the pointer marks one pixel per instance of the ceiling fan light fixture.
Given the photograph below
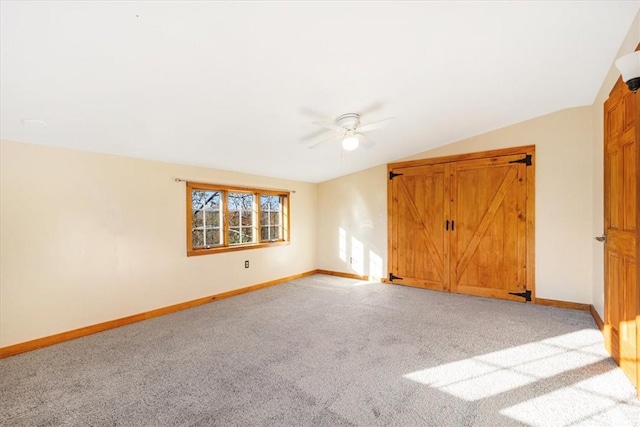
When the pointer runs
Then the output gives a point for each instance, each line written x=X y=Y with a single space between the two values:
x=350 y=142
x=629 y=66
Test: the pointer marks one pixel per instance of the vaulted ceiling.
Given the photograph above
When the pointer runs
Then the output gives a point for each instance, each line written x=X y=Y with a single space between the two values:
x=237 y=85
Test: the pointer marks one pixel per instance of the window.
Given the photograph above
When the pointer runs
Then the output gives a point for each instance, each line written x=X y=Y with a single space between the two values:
x=270 y=218
x=221 y=219
x=241 y=208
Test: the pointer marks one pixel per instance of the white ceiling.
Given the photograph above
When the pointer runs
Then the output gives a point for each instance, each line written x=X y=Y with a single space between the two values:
x=237 y=85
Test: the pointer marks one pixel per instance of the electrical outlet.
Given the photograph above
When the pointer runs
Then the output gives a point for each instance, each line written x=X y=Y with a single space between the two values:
x=350 y=260
x=246 y=264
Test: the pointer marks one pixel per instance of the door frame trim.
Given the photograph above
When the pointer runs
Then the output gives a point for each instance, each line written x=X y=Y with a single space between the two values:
x=637 y=123
x=530 y=207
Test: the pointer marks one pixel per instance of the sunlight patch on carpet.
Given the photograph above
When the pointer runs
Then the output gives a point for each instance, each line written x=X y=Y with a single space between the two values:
x=493 y=373
x=586 y=402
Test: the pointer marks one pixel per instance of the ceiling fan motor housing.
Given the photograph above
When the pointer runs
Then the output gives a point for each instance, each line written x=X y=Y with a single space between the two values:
x=349 y=121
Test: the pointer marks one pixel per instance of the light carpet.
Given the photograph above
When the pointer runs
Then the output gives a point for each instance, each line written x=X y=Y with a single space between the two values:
x=329 y=351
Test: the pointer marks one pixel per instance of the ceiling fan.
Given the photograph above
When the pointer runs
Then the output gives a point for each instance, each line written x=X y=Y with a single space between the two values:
x=349 y=130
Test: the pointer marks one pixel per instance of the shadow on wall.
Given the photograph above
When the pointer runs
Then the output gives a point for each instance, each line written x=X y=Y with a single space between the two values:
x=351 y=252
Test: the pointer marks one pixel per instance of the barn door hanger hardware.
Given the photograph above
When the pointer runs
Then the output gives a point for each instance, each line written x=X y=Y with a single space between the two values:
x=526 y=295
x=527 y=160
x=392 y=174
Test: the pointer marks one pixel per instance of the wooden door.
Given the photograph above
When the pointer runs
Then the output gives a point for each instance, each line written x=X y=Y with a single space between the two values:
x=620 y=252
x=417 y=206
x=464 y=223
x=489 y=237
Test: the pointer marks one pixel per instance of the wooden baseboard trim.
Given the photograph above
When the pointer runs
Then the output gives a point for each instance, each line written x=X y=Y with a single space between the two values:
x=111 y=324
x=341 y=274
x=539 y=301
x=562 y=304
x=596 y=317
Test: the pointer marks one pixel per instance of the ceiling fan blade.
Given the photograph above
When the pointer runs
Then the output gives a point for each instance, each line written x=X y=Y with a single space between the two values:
x=371 y=108
x=367 y=142
x=313 y=135
x=317 y=144
x=374 y=125
x=331 y=126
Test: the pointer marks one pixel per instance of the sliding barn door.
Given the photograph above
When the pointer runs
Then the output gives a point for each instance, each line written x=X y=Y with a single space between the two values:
x=464 y=223
x=418 y=228
x=621 y=176
x=489 y=238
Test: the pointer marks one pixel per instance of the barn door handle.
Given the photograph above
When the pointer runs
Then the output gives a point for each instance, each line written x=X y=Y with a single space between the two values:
x=602 y=239
x=453 y=225
x=446 y=225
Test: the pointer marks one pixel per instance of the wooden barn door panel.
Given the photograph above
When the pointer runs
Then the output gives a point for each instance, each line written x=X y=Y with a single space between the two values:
x=418 y=255
x=621 y=176
x=488 y=243
x=464 y=223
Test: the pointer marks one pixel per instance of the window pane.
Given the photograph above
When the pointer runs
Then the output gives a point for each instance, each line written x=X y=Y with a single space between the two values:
x=247 y=218
x=197 y=238
x=241 y=218
x=213 y=200
x=205 y=212
x=247 y=235
x=274 y=218
x=234 y=236
x=270 y=203
x=234 y=219
x=200 y=199
x=196 y=220
x=247 y=202
x=213 y=237
x=270 y=217
x=212 y=218
x=241 y=201
x=270 y=233
x=197 y=199
x=275 y=233
x=233 y=201
x=264 y=233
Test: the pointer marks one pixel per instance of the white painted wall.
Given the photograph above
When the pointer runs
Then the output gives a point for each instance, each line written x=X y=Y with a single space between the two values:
x=88 y=238
x=564 y=162
x=629 y=45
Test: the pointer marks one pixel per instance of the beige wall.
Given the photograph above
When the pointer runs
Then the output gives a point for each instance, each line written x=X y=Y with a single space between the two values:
x=564 y=163
x=88 y=238
x=631 y=41
x=352 y=223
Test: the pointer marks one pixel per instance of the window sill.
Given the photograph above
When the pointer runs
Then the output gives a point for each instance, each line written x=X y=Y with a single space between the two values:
x=221 y=249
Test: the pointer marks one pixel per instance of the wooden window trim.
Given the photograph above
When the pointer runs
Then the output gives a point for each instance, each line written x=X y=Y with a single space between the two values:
x=225 y=190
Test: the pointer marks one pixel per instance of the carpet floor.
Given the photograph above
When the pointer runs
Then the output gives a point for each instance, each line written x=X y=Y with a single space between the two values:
x=329 y=351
